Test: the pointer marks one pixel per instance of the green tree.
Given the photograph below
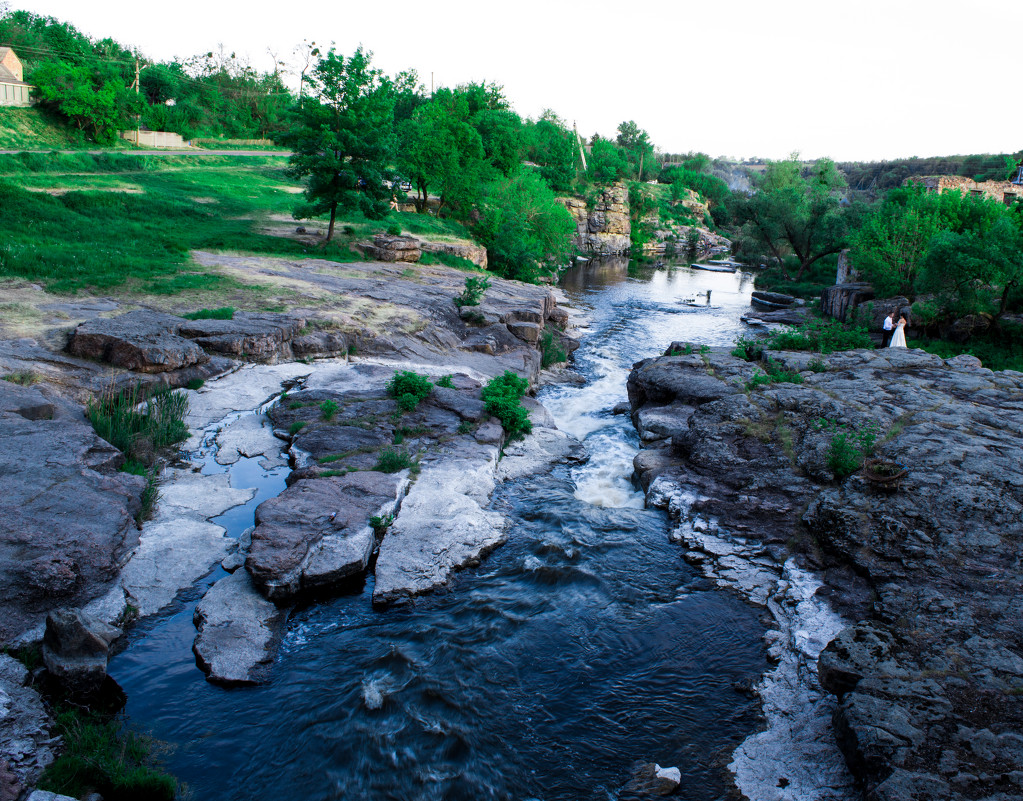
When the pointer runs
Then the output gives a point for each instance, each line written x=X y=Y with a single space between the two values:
x=343 y=138
x=552 y=147
x=439 y=151
x=527 y=233
x=790 y=214
x=94 y=99
x=608 y=162
x=638 y=149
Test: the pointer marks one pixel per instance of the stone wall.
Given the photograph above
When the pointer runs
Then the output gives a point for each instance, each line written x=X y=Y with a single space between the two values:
x=1002 y=191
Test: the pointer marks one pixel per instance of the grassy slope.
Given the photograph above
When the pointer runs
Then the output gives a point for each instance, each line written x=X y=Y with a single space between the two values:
x=81 y=222
x=31 y=129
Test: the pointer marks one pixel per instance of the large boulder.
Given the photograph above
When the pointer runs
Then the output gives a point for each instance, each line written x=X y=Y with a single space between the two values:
x=26 y=745
x=145 y=341
x=76 y=647
x=317 y=532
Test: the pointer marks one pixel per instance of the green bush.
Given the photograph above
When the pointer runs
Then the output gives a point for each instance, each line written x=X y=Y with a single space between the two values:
x=819 y=335
x=475 y=288
x=849 y=445
x=502 y=397
x=393 y=461
x=328 y=409
x=748 y=348
x=223 y=313
x=409 y=389
x=297 y=426
x=102 y=756
x=445 y=381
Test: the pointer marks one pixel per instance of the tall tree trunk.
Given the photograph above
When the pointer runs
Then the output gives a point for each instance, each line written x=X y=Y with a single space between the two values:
x=333 y=214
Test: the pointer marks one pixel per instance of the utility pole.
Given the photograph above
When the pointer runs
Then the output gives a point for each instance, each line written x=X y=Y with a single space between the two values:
x=578 y=141
x=138 y=119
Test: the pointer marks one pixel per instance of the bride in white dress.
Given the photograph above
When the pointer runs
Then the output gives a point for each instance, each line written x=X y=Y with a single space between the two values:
x=899 y=337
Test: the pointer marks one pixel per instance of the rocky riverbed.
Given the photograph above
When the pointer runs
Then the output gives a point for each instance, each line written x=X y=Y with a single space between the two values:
x=927 y=679
x=70 y=534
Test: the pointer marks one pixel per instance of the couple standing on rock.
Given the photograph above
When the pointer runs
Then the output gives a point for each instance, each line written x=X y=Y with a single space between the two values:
x=894 y=335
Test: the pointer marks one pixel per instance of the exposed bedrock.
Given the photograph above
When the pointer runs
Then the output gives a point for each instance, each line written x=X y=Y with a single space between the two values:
x=66 y=514
x=929 y=681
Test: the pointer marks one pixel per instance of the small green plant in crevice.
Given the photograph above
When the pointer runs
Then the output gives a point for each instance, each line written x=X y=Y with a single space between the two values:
x=445 y=381
x=123 y=418
x=352 y=350
x=849 y=446
x=328 y=409
x=774 y=373
x=475 y=288
x=102 y=755
x=502 y=397
x=394 y=461
x=297 y=426
x=748 y=349
x=380 y=524
x=818 y=365
x=465 y=426
x=24 y=377
x=551 y=350
x=223 y=313
x=409 y=389
x=150 y=495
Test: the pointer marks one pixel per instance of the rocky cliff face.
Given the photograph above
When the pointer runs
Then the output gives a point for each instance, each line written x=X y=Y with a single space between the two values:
x=606 y=230
x=929 y=681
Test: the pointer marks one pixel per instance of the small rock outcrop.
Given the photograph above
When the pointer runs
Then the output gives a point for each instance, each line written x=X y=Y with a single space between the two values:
x=651 y=781
x=238 y=631
x=26 y=745
x=317 y=532
x=76 y=647
x=839 y=300
x=395 y=248
x=143 y=341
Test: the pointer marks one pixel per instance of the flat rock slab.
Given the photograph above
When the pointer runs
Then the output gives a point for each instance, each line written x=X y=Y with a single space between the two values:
x=145 y=341
x=66 y=514
x=317 y=531
x=180 y=545
x=247 y=437
x=238 y=631
x=443 y=527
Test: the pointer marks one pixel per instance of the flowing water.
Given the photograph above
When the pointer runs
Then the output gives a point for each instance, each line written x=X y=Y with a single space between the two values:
x=583 y=646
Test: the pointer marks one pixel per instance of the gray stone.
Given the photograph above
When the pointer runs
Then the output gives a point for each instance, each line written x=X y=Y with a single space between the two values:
x=66 y=514
x=140 y=340
x=75 y=650
x=443 y=527
x=255 y=337
x=26 y=746
x=929 y=570
x=316 y=532
x=238 y=631
x=651 y=781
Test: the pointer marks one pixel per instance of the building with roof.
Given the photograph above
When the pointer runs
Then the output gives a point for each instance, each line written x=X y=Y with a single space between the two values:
x=13 y=89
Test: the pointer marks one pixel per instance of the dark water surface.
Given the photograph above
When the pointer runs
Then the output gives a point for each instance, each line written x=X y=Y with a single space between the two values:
x=582 y=646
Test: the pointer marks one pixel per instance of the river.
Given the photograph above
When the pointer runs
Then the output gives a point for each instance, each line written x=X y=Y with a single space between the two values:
x=582 y=647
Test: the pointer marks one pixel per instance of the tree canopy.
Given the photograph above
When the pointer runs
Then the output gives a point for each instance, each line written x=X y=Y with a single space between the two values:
x=342 y=138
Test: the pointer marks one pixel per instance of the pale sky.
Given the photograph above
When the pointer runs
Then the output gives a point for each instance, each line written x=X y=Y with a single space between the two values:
x=848 y=79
